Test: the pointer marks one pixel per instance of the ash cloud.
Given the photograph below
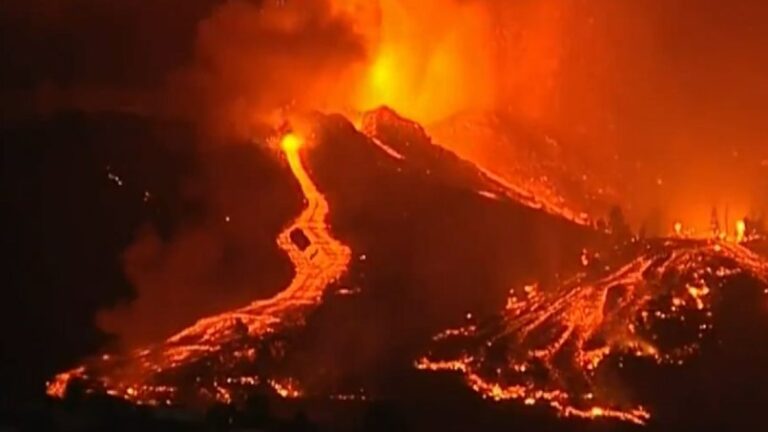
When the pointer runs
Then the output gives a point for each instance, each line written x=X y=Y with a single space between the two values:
x=255 y=61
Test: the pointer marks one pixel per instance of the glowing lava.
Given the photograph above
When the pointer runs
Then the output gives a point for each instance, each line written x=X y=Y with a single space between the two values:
x=291 y=143
x=139 y=376
x=321 y=263
x=556 y=347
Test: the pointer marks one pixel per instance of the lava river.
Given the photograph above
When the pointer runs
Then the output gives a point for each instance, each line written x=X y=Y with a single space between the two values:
x=318 y=260
x=652 y=300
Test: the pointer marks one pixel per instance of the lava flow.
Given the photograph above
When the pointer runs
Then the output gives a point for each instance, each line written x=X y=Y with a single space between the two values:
x=562 y=347
x=232 y=338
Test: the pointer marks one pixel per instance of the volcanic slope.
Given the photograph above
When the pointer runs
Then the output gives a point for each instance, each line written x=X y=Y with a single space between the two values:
x=417 y=239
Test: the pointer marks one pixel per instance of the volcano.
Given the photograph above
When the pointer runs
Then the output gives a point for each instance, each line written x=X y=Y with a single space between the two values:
x=400 y=239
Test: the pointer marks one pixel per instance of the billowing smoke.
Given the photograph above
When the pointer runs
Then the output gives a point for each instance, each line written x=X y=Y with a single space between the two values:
x=257 y=61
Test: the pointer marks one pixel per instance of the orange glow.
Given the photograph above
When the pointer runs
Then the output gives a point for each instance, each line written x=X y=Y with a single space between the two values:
x=291 y=143
x=741 y=230
x=737 y=234
x=448 y=64
x=427 y=75
x=430 y=60
x=484 y=78
x=286 y=388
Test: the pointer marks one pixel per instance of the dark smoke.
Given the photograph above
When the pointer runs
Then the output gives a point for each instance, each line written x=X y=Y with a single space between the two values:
x=254 y=62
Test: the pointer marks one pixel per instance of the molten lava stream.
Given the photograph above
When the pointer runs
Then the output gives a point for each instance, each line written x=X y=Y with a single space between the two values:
x=550 y=346
x=324 y=260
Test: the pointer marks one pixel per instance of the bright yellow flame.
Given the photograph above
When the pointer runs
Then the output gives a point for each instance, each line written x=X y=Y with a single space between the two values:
x=291 y=142
x=678 y=228
x=741 y=230
x=427 y=75
x=382 y=77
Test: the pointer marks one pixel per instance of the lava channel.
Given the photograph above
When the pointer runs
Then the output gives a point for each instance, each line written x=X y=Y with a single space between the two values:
x=552 y=347
x=318 y=261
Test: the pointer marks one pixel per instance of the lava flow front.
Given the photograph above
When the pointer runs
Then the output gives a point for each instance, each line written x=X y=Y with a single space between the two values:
x=564 y=347
x=231 y=339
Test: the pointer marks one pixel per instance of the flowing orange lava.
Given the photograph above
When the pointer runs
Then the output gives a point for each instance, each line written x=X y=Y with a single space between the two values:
x=322 y=262
x=551 y=346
